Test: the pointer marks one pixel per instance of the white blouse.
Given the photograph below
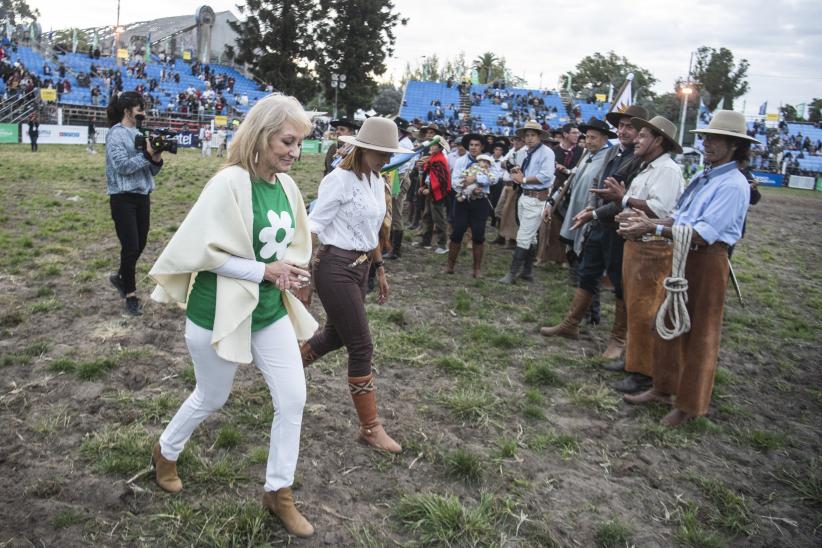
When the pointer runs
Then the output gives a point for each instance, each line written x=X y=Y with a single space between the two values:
x=349 y=212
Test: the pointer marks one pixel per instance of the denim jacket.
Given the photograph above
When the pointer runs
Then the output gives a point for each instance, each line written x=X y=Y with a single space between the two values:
x=128 y=169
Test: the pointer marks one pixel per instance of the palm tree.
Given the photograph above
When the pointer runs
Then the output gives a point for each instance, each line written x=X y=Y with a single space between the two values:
x=487 y=65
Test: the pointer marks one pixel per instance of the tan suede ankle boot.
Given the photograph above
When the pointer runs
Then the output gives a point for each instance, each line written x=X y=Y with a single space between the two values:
x=165 y=471
x=281 y=504
x=569 y=327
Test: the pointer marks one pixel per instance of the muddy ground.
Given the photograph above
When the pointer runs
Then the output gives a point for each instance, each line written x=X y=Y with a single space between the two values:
x=510 y=439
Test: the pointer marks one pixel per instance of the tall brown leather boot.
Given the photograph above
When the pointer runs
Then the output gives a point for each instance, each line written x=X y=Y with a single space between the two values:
x=569 y=328
x=281 y=504
x=453 y=253
x=365 y=401
x=478 y=251
x=308 y=355
x=165 y=471
x=616 y=345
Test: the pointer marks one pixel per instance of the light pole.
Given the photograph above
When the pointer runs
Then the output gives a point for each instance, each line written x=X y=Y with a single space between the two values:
x=686 y=92
x=338 y=81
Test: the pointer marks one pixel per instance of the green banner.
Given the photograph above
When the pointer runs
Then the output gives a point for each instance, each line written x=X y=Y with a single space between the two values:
x=311 y=146
x=9 y=133
x=819 y=183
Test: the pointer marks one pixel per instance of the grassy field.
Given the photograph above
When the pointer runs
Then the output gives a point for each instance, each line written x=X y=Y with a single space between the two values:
x=510 y=439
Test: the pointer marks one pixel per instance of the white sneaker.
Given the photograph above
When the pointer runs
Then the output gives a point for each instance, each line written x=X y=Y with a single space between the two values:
x=426 y=247
x=440 y=251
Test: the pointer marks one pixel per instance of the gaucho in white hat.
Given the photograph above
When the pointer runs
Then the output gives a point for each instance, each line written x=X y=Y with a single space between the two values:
x=347 y=218
x=710 y=212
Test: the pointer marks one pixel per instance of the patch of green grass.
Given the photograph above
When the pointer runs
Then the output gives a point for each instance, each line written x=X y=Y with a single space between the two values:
x=506 y=449
x=464 y=465
x=455 y=364
x=470 y=403
x=565 y=445
x=47 y=305
x=533 y=412
x=224 y=471
x=445 y=521
x=692 y=533
x=119 y=450
x=462 y=301
x=541 y=374
x=44 y=291
x=228 y=437
x=215 y=522
x=49 y=424
x=761 y=440
x=67 y=518
x=724 y=377
x=158 y=408
x=805 y=482
x=258 y=455
x=11 y=319
x=599 y=398
x=34 y=350
x=613 y=534
x=493 y=336
x=63 y=365
x=93 y=370
x=365 y=536
x=732 y=512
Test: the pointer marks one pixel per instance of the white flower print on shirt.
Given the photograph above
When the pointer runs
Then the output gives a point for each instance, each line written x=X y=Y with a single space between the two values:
x=268 y=235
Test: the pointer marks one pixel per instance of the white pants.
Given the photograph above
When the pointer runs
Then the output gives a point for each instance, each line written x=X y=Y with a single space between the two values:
x=205 y=149
x=529 y=210
x=277 y=356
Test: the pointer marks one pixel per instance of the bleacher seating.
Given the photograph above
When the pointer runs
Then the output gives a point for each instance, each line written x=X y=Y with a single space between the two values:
x=596 y=110
x=419 y=96
x=76 y=63
x=811 y=163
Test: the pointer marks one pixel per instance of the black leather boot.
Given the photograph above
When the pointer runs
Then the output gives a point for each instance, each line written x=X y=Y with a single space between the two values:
x=516 y=264
x=528 y=264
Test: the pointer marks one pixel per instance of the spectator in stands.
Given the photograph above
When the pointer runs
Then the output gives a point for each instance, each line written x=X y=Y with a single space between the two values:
x=95 y=95
x=46 y=69
x=61 y=70
x=92 y=136
x=130 y=175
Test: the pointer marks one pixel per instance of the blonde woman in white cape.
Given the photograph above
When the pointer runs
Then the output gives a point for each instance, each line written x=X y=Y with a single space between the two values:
x=231 y=263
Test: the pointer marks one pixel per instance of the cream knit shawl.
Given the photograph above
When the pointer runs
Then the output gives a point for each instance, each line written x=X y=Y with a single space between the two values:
x=218 y=225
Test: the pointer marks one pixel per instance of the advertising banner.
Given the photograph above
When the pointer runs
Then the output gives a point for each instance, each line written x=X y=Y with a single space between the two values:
x=58 y=135
x=48 y=94
x=310 y=146
x=9 y=133
x=220 y=121
x=768 y=179
x=800 y=181
x=818 y=182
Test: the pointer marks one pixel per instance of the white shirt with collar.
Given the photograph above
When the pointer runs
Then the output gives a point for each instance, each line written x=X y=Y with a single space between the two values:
x=349 y=212
x=659 y=183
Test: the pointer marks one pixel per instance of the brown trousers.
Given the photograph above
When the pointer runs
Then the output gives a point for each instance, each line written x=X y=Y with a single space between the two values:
x=690 y=375
x=645 y=265
x=341 y=288
x=508 y=225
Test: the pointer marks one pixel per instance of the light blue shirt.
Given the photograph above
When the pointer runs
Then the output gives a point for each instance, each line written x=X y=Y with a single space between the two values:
x=542 y=165
x=715 y=204
x=127 y=169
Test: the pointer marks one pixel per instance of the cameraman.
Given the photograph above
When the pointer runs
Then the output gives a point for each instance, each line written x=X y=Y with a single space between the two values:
x=130 y=176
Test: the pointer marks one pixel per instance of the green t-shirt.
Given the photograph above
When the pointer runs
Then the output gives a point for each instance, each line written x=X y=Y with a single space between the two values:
x=273 y=230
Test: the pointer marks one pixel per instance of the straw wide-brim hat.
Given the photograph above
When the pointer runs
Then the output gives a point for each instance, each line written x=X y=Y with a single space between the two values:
x=661 y=124
x=377 y=134
x=728 y=123
x=485 y=157
x=532 y=125
x=633 y=111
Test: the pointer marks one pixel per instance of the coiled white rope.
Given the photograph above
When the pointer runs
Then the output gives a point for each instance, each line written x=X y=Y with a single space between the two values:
x=674 y=308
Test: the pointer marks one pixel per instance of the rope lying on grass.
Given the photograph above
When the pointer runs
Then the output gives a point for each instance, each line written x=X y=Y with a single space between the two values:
x=674 y=307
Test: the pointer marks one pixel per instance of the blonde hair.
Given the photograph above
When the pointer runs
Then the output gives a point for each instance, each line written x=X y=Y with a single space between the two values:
x=266 y=118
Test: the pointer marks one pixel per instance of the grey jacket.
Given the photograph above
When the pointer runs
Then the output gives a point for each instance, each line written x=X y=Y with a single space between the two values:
x=128 y=169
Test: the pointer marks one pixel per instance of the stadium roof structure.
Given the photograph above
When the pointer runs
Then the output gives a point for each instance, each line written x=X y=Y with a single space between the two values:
x=160 y=29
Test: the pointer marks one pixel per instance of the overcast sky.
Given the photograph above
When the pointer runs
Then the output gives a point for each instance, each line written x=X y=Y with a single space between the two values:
x=543 y=39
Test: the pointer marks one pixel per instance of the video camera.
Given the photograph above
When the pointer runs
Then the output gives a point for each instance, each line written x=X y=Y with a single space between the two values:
x=162 y=140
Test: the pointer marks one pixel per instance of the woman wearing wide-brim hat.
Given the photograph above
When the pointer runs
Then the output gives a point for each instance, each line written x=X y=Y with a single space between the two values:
x=349 y=219
x=714 y=206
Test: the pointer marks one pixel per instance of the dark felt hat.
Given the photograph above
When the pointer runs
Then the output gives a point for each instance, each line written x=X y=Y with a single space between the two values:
x=468 y=137
x=402 y=123
x=597 y=125
x=346 y=122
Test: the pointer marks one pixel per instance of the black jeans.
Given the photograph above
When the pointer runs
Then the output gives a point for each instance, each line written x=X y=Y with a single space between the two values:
x=473 y=213
x=603 y=253
x=33 y=139
x=130 y=213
